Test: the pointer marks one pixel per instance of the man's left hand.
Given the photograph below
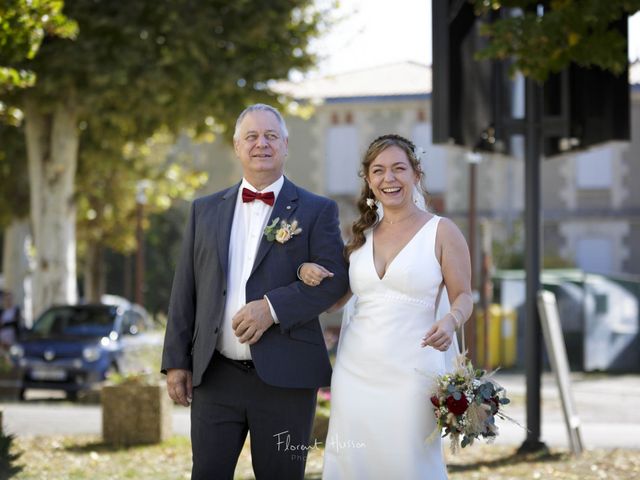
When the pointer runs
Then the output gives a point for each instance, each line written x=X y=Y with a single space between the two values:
x=252 y=321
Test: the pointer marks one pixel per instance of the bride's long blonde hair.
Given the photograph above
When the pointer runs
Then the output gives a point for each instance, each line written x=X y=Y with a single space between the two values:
x=369 y=215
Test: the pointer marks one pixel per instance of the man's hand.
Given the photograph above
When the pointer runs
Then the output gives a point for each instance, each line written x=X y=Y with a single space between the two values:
x=252 y=321
x=180 y=386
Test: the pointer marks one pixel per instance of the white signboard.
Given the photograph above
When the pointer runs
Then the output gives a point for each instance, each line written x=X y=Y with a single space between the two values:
x=554 y=342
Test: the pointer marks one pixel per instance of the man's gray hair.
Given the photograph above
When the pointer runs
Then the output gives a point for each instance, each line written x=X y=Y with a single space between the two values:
x=261 y=107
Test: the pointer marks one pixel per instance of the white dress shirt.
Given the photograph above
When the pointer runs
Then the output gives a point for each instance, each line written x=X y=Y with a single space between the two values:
x=247 y=229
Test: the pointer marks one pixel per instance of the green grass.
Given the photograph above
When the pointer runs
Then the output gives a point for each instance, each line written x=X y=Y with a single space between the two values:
x=85 y=457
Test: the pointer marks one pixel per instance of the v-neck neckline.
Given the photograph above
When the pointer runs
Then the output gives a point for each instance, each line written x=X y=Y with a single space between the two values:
x=404 y=247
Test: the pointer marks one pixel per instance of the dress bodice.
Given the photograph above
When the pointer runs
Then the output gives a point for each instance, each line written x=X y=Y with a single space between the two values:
x=414 y=276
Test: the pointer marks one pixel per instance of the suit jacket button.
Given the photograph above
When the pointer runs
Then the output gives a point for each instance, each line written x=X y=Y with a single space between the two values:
x=224 y=293
x=216 y=330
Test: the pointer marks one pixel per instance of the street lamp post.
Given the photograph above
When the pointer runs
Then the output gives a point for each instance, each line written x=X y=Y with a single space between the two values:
x=486 y=288
x=533 y=327
x=141 y=201
x=473 y=159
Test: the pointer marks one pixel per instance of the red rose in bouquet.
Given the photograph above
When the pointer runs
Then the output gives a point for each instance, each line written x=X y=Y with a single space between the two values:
x=457 y=407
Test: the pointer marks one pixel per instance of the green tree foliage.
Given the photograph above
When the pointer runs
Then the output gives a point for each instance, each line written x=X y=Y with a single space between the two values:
x=109 y=181
x=133 y=69
x=509 y=253
x=23 y=26
x=14 y=184
x=137 y=65
x=579 y=31
x=112 y=181
x=162 y=250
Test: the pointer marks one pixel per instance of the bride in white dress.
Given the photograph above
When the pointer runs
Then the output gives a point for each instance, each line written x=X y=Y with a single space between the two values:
x=393 y=345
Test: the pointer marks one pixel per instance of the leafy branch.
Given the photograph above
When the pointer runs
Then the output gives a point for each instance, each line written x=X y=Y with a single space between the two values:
x=583 y=32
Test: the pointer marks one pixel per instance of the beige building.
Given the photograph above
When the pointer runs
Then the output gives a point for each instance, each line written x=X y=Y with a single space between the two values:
x=590 y=199
x=349 y=111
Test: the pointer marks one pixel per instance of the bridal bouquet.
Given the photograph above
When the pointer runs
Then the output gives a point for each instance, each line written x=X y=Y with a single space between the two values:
x=467 y=402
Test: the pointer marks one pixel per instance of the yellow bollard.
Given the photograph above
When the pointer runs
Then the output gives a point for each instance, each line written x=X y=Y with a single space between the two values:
x=509 y=334
x=502 y=335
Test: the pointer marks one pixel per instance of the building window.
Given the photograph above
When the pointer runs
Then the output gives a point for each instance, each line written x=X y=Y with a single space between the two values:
x=435 y=161
x=594 y=169
x=595 y=254
x=342 y=162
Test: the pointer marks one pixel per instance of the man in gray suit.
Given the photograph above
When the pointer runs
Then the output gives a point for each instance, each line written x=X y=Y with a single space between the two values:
x=243 y=344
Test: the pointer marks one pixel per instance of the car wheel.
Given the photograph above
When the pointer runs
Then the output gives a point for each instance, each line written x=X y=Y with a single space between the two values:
x=21 y=394
x=72 y=396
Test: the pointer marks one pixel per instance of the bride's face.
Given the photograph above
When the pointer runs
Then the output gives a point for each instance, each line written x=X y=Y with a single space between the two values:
x=392 y=178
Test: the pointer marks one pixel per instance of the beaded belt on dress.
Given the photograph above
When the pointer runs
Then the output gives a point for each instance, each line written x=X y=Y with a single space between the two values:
x=398 y=297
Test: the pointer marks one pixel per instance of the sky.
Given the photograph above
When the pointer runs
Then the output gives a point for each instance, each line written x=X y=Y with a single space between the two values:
x=376 y=32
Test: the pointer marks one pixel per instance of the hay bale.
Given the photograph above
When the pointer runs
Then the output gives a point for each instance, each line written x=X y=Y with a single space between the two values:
x=135 y=414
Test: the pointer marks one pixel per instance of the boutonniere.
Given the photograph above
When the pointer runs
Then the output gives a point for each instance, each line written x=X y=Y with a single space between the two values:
x=281 y=233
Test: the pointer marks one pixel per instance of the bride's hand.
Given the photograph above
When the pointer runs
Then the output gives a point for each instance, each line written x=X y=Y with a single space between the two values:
x=313 y=274
x=440 y=335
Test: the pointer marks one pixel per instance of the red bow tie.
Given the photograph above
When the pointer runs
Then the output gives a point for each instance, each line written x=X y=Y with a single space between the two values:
x=249 y=196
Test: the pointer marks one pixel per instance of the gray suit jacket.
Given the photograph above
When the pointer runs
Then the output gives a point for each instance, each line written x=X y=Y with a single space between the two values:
x=290 y=354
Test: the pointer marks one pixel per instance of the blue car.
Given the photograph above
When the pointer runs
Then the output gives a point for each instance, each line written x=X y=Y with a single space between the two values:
x=74 y=347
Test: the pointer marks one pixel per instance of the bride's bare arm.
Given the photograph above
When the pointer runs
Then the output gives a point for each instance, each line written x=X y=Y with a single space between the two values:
x=340 y=303
x=453 y=254
x=456 y=272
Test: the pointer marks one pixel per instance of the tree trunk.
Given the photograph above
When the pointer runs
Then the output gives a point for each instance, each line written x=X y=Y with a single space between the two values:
x=94 y=273
x=52 y=150
x=15 y=263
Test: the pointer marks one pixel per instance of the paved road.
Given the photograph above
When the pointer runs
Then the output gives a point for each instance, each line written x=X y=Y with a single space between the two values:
x=607 y=407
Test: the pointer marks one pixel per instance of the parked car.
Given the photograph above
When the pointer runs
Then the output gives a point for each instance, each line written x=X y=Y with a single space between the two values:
x=75 y=347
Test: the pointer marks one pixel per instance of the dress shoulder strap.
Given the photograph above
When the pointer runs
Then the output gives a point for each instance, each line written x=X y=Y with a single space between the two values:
x=431 y=228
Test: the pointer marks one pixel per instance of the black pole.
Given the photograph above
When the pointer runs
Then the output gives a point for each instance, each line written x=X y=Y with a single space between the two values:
x=139 y=291
x=533 y=331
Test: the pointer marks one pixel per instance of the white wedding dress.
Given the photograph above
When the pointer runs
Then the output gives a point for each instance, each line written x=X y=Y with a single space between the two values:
x=381 y=415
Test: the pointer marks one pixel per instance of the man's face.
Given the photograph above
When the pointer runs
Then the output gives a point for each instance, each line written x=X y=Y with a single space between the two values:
x=260 y=145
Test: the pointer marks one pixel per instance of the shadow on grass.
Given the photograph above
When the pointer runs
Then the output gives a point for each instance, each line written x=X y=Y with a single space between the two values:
x=510 y=460
x=507 y=461
x=99 y=446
